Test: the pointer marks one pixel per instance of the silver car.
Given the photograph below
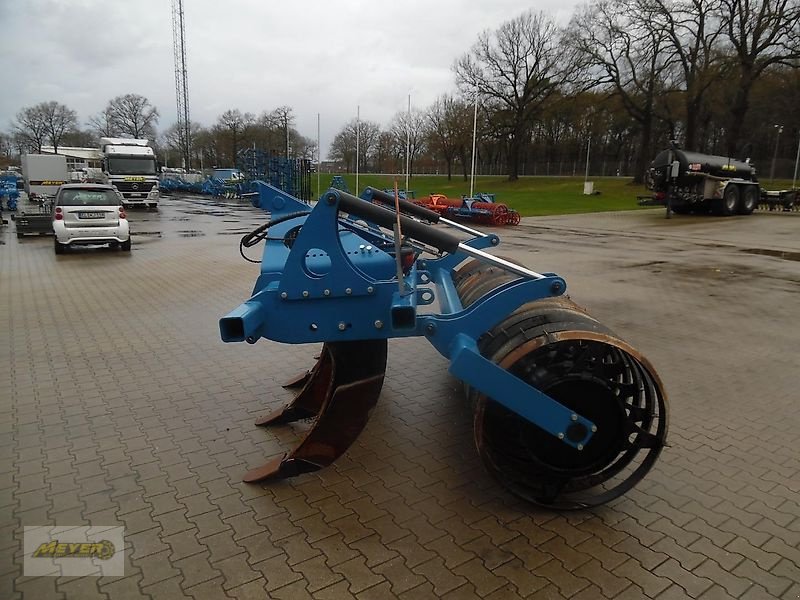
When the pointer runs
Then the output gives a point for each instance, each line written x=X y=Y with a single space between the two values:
x=89 y=213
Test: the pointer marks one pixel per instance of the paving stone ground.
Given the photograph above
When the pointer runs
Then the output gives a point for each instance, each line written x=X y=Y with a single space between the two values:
x=120 y=406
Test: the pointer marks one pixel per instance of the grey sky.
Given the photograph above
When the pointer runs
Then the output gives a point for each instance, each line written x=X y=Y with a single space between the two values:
x=316 y=56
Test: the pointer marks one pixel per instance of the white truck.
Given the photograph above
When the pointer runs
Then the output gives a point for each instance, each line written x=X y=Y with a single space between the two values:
x=130 y=166
x=44 y=174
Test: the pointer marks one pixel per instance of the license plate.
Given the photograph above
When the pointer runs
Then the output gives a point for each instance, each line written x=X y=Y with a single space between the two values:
x=91 y=215
x=136 y=195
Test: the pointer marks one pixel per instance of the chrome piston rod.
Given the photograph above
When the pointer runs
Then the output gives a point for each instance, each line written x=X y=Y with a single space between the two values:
x=508 y=266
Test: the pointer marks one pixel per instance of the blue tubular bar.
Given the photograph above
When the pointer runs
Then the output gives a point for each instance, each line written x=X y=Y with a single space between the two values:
x=467 y=364
x=449 y=302
x=243 y=322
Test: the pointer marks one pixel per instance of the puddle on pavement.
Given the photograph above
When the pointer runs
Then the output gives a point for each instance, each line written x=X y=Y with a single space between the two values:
x=191 y=233
x=210 y=213
x=776 y=253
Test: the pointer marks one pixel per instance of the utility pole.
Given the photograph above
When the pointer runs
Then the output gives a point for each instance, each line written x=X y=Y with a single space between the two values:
x=779 y=128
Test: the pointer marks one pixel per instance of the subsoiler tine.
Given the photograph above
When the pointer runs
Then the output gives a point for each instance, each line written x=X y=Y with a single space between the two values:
x=309 y=401
x=300 y=379
x=358 y=370
x=297 y=380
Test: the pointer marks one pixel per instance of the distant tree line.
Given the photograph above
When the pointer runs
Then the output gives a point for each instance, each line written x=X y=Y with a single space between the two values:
x=620 y=81
x=617 y=83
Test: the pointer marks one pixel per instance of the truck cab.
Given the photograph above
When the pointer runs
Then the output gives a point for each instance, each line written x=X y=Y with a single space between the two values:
x=131 y=167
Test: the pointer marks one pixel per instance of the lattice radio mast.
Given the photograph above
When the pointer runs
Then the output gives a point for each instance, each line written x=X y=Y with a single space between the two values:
x=181 y=86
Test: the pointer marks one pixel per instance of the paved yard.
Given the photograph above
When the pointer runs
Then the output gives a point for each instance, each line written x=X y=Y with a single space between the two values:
x=120 y=406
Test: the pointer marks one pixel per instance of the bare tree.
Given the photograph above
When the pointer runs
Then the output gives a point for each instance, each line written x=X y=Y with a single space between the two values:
x=343 y=147
x=626 y=49
x=693 y=29
x=31 y=127
x=517 y=68
x=408 y=131
x=386 y=155
x=761 y=33
x=103 y=124
x=234 y=123
x=59 y=119
x=132 y=115
x=268 y=132
x=449 y=129
x=284 y=118
x=6 y=145
x=80 y=138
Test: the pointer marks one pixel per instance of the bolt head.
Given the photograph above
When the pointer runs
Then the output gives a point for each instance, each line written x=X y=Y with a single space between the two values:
x=561 y=436
x=370 y=289
x=284 y=295
x=574 y=417
x=594 y=428
x=327 y=292
x=378 y=324
x=580 y=446
x=348 y=291
x=342 y=326
x=305 y=294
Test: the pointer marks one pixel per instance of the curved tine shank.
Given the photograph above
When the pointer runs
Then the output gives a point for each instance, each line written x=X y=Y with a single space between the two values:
x=359 y=368
x=309 y=401
x=297 y=380
x=300 y=378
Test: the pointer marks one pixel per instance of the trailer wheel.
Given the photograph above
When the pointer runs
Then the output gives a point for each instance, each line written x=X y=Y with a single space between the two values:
x=729 y=203
x=749 y=202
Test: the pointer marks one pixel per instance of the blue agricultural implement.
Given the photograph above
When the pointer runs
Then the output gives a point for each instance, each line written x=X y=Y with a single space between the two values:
x=9 y=192
x=566 y=414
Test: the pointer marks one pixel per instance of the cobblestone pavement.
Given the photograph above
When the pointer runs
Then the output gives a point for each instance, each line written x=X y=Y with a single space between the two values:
x=120 y=406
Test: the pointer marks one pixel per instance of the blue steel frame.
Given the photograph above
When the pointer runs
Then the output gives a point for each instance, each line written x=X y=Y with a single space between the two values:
x=337 y=282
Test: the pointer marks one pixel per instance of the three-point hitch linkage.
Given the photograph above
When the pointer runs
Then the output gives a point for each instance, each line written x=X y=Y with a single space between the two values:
x=566 y=414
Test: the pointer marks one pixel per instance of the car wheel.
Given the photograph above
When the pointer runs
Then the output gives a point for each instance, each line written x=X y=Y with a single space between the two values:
x=59 y=247
x=126 y=245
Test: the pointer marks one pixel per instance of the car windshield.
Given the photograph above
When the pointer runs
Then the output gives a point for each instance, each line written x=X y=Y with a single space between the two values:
x=88 y=198
x=132 y=166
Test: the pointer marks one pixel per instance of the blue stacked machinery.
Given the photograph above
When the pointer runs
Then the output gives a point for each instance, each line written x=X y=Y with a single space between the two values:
x=566 y=414
x=9 y=192
x=292 y=175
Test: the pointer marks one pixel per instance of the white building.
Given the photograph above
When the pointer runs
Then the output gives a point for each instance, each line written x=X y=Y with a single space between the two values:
x=77 y=158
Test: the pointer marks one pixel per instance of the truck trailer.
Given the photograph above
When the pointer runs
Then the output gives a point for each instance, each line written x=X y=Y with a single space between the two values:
x=685 y=182
x=44 y=174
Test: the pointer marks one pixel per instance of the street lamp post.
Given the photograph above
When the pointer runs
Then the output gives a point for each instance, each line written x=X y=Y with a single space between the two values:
x=779 y=128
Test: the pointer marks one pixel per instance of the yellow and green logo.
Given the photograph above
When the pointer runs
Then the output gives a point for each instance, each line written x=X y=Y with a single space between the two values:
x=55 y=549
